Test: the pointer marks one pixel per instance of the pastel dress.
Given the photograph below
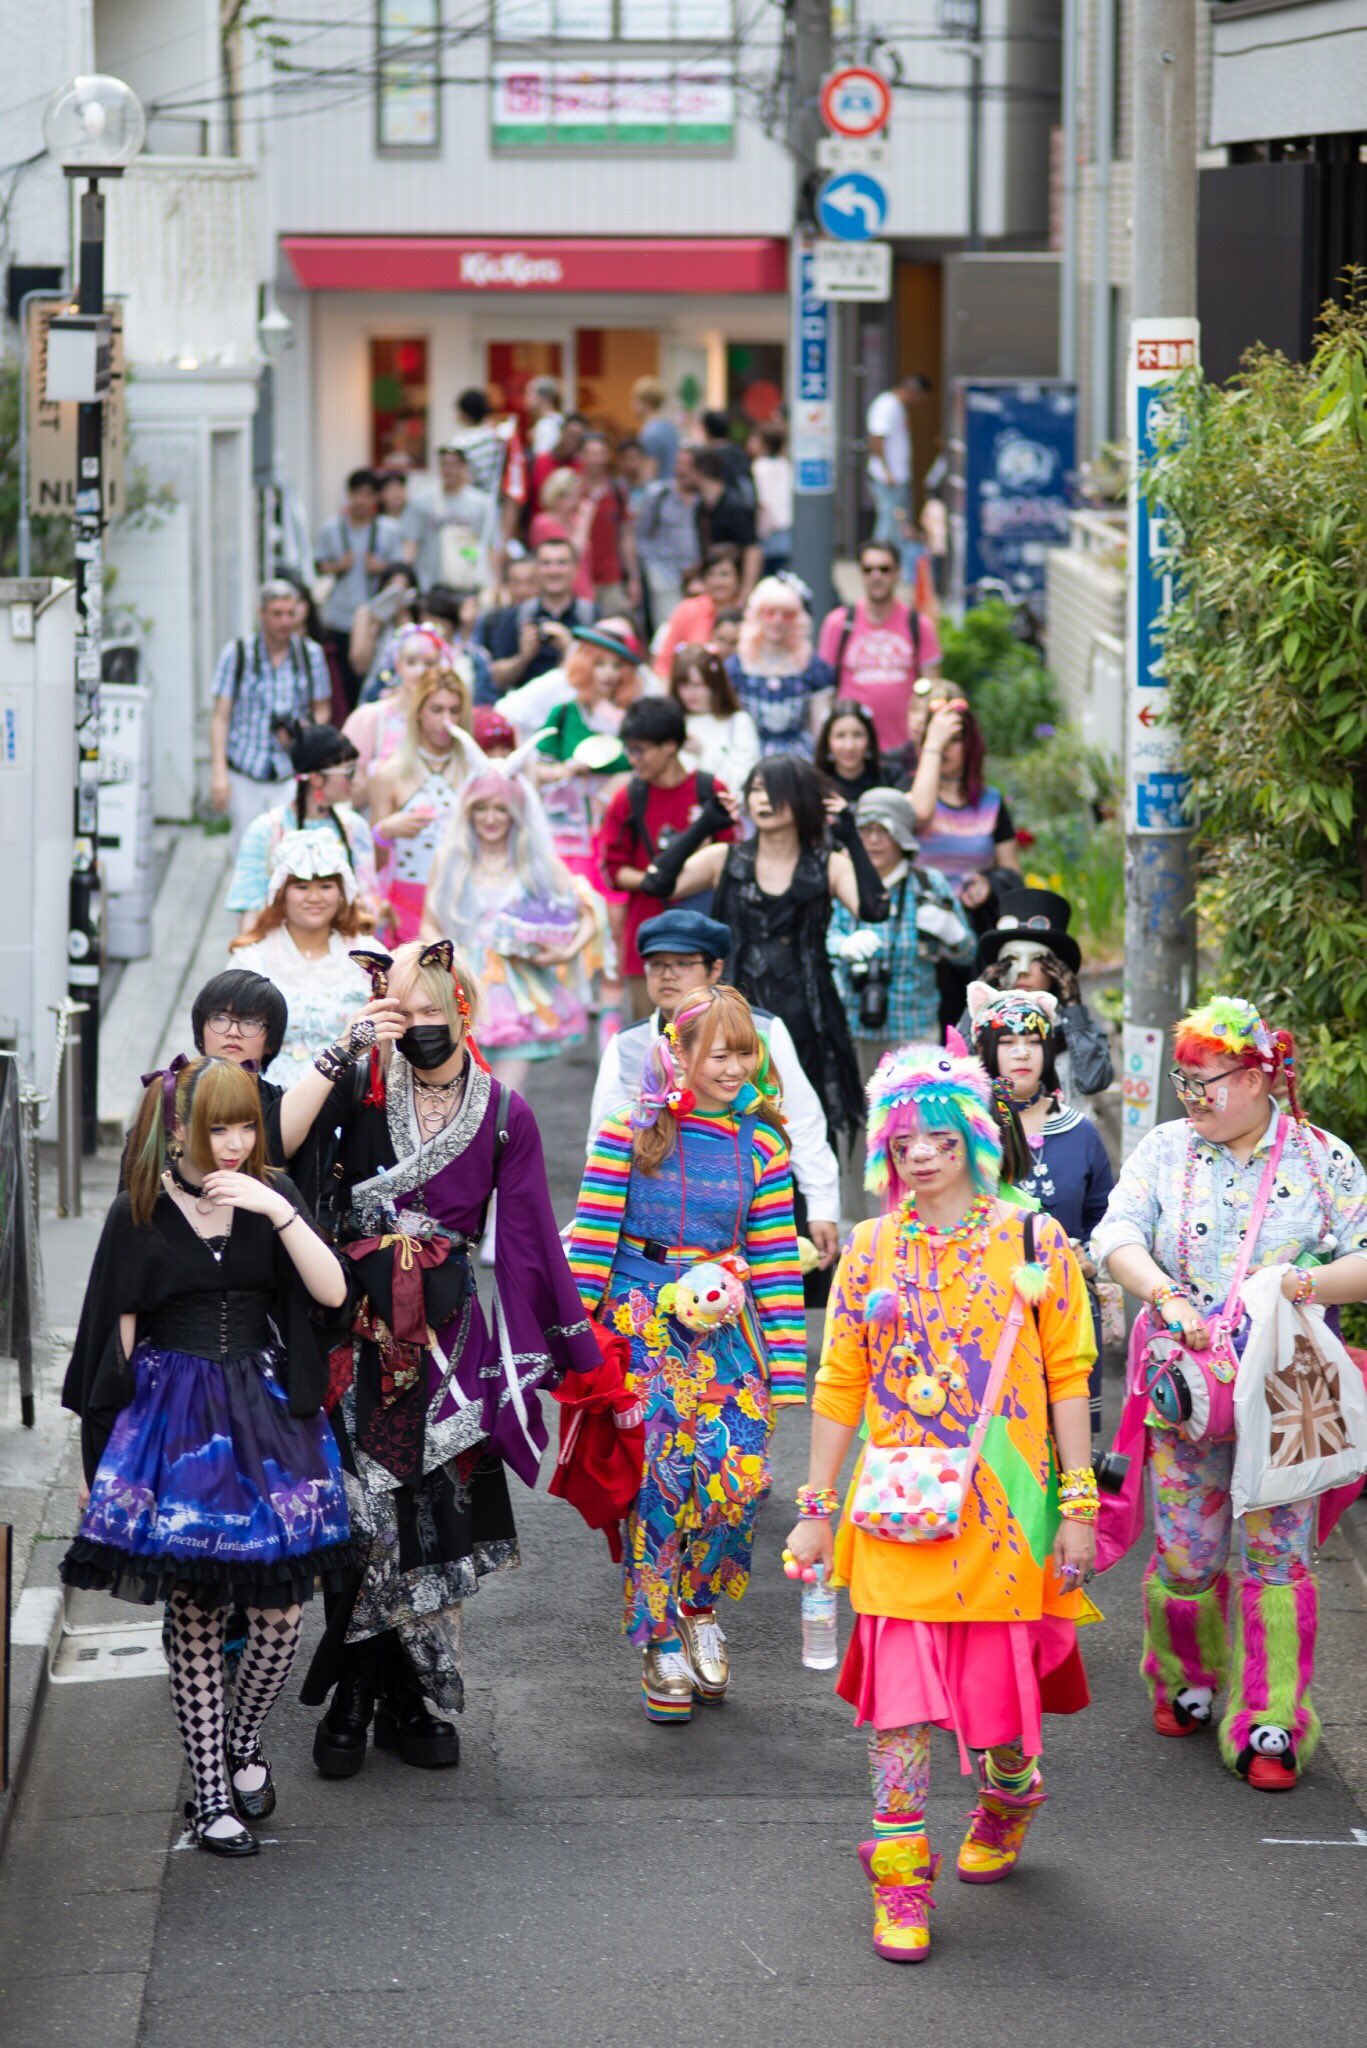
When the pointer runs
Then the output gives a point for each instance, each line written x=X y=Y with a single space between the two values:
x=528 y=1010
x=709 y=1395
x=974 y=1634
x=410 y=861
x=321 y=994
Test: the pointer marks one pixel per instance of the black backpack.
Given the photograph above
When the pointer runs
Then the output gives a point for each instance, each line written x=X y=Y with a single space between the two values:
x=638 y=795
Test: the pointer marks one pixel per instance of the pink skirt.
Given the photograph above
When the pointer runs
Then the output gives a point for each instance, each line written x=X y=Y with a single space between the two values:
x=989 y=1682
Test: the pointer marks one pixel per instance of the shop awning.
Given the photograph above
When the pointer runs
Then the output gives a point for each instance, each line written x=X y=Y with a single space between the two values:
x=455 y=263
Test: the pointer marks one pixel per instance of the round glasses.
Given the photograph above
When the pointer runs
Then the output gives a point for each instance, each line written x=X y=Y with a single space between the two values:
x=223 y=1021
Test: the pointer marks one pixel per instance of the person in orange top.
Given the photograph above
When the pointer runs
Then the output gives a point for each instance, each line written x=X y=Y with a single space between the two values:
x=956 y=1319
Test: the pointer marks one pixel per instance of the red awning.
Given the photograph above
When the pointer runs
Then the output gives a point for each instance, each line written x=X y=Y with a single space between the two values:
x=454 y=263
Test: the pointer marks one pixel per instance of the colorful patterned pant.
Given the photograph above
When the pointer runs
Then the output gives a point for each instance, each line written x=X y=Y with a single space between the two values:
x=1193 y=1520
x=707 y=1427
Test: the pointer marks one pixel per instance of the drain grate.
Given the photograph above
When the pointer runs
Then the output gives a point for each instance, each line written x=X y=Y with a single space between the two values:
x=93 y=1654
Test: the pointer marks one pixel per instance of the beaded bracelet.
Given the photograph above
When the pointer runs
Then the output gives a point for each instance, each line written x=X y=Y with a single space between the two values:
x=817 y=1503
x=1305 y=1287
x=1078 y=1498
x=1166 y=1294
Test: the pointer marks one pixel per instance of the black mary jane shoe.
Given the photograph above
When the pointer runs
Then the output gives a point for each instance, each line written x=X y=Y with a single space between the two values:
x=240 y=1844
x=251 y=1805
x=339 y=1740
x=417 y=1736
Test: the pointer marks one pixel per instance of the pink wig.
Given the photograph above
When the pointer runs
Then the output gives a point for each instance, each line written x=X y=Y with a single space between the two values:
x=772 y=590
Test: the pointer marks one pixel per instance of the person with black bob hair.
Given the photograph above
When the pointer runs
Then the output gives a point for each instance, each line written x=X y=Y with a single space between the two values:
x=324 y=763
x=775 y=892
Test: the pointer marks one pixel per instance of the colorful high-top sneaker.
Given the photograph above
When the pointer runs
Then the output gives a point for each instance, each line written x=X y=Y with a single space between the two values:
x=901 y=1870
x=996 y=1830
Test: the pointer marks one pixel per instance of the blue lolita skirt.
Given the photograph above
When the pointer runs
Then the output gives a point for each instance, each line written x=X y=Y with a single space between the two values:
x=210 y=1484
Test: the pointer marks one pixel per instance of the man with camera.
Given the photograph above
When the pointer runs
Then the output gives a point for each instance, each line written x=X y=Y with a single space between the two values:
x=886 y=973
x=535 y=638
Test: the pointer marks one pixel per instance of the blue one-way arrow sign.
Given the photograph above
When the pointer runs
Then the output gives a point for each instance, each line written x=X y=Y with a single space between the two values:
x=852 y=206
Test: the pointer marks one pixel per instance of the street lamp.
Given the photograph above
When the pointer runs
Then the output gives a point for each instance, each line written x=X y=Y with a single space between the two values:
x=93 y=128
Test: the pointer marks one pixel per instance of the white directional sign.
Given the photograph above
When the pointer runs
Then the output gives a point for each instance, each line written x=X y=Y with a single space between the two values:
x=851 y=206
x=853 y=270
x=839 y=153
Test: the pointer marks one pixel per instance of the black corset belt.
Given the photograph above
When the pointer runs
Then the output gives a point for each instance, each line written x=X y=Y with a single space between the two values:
x=212 y=1325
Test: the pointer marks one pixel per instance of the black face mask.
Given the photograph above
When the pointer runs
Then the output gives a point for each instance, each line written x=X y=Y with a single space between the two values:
x=427 y=1046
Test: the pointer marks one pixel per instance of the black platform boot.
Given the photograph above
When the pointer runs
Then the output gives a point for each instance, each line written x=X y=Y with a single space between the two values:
x=339 y=1741
x=405 y=1724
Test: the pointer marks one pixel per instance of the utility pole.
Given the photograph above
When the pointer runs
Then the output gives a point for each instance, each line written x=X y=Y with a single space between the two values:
x=1160 y=919
x=812 y=352
x=86 y=922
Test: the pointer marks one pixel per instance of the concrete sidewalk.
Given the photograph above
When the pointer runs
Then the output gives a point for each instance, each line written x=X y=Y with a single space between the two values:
x=147 y=1019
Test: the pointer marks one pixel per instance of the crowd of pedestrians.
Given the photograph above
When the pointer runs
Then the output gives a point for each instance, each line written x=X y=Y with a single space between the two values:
x=842 y=1049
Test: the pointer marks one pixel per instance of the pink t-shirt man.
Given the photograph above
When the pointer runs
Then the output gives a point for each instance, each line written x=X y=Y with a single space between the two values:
x=880 y=665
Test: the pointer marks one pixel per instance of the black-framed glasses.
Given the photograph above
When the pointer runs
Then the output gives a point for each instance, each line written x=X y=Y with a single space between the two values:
x=223 y=1021
x=1195 y=1088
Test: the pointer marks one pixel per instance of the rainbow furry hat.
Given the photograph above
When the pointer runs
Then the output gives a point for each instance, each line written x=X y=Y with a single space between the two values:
x=932 y=1088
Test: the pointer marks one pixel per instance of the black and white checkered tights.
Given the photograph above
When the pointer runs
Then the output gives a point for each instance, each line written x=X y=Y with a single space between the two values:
x=199 y=1691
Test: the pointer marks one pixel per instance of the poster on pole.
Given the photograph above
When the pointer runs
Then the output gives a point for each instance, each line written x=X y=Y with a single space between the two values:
x=1156 y=783
x=813 y=420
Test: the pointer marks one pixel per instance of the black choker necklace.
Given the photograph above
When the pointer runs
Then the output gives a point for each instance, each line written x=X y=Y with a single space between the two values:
x=188 y=1187
x=1029 y=1101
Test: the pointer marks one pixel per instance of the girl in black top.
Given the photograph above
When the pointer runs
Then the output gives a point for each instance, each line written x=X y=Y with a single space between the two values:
x=775 y=892
x=199 y=1377
x=847 y=751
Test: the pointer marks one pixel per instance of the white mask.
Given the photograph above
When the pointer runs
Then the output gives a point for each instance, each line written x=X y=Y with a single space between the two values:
x=1018 y=954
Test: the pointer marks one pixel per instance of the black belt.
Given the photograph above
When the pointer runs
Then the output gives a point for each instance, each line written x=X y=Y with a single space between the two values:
x=212 y=1325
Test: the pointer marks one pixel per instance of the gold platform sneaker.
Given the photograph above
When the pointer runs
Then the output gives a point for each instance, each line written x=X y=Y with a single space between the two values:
x=705 y=1648
x=666 y=1683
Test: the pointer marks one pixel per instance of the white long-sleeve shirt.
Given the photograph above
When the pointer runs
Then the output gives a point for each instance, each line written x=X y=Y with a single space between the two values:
x=815 y=1168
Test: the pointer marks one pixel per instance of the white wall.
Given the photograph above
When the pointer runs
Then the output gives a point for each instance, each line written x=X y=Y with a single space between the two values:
x=166 y=50
x=181 y=250
x=36 y=693
x=326 y=176
x=1288 y=71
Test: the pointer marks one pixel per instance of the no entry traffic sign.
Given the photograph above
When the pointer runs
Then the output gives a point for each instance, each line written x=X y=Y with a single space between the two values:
x=856 y=102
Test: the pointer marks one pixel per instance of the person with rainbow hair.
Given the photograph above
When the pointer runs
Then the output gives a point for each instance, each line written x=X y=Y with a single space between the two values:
x=683 y=1241
x=1232 y=1186
x=960 y=1334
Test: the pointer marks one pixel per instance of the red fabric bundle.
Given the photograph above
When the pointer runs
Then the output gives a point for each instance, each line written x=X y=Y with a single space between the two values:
x=602 y=1441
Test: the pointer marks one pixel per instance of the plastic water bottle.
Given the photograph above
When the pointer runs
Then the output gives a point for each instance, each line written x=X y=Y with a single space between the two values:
x=819 y=1646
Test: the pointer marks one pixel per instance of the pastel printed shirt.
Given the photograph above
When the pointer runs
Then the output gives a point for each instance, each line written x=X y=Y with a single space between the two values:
x=1146 y=1205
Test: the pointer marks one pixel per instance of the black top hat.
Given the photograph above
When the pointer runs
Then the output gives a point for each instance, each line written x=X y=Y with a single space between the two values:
x=1035 y=914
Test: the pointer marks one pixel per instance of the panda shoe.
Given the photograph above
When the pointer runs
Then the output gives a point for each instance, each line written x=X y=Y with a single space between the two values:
x=1271 y=1765
x=1186 y=1714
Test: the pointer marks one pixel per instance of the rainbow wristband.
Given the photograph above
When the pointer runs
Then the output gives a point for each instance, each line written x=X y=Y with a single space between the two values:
x=817 y=1503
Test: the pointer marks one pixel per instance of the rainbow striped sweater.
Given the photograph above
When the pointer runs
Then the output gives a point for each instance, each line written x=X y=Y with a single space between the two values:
x=696 y=1191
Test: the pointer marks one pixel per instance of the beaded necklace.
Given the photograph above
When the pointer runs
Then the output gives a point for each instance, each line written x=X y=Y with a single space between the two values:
x=970 y=1235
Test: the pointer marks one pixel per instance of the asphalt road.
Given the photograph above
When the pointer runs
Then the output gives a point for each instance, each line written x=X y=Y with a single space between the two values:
x=588 y=1880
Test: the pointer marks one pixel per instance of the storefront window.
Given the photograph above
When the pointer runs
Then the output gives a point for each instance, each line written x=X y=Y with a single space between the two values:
x=754 y=380
x=398 y=401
